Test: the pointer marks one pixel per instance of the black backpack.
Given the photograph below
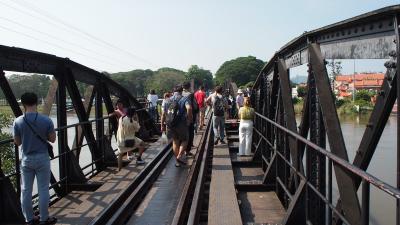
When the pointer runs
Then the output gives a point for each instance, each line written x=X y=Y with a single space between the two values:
x=195 y=105
x=218 y=106
x=173 y=114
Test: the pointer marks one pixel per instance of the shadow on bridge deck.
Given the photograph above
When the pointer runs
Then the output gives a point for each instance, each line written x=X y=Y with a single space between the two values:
x=81 y=207
x=237 y=191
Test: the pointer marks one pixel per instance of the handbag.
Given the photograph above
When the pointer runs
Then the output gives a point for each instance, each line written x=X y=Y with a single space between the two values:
x=129 y=143
x=49 y=146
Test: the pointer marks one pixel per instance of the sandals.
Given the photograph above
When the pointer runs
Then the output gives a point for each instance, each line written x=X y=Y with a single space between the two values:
x=49 y=221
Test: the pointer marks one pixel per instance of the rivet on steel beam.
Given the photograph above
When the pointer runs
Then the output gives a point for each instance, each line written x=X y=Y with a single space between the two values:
x=393 y=53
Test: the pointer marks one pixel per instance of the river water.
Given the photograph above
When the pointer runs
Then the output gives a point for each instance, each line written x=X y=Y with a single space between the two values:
x=382 y=166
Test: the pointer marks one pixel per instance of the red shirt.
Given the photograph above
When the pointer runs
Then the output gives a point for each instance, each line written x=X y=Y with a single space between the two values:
x=200 y=96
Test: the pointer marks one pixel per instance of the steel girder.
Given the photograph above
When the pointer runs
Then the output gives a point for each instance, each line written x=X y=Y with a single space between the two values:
x=66 y=73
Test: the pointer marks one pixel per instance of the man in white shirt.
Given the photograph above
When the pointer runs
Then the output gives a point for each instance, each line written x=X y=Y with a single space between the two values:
x=239 y=99
x=152 y=100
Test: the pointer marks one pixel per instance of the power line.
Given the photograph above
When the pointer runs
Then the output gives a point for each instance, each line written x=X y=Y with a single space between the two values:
x=88 y=35
x=59 y=39
x=41 y=19
x=47 y=42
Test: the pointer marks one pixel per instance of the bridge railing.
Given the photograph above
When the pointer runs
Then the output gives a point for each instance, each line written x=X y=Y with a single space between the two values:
x=367 y=179
x=294 y=158
x=63 y=178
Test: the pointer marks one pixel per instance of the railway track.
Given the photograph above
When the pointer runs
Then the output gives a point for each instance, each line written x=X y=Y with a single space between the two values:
x=192 y=203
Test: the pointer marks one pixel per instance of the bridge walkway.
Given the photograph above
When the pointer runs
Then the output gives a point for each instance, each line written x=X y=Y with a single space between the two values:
x=81 y=207
x=160 y=203
x=237 y=194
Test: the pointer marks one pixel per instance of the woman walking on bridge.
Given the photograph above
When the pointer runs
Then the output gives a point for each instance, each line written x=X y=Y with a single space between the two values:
x=246 y=115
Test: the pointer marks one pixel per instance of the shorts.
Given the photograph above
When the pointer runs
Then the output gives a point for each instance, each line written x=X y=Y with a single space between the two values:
x=180 y=132
x=138 y=143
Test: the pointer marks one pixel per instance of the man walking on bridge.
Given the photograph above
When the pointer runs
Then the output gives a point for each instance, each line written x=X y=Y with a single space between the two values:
x=219 y=105
x=33 y=131
x=177 y=115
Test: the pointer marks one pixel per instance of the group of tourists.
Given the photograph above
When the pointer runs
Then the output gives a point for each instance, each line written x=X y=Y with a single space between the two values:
x=182 y=114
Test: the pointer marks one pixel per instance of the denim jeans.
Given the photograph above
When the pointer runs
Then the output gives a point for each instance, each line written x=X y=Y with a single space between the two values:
x=219 y=124
x=39 y=166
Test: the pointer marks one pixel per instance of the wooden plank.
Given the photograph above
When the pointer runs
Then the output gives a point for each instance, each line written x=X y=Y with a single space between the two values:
x=80 y=207
x=261 y=208
x=223 y=203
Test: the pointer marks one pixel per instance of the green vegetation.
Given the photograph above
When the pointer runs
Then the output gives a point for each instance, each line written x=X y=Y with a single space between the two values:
x=165 y=80
x=134 y=81
x=301 y=91
x=6 y=150
x=200 y=76
x=38 y=84
x=240 y=70
x=362 y=103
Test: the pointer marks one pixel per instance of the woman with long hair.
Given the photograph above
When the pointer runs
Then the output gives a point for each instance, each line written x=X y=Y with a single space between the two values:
x=246 y=115
x=127 y=141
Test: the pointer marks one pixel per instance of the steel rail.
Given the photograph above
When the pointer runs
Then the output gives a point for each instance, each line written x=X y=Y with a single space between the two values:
x=392 y=191
x=118 y=210
x=189 y=202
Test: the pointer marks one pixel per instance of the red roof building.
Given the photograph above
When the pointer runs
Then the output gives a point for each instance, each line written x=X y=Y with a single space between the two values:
x=344 y=84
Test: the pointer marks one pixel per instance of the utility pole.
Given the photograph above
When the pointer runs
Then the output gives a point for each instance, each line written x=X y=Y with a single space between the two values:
x=354 y=80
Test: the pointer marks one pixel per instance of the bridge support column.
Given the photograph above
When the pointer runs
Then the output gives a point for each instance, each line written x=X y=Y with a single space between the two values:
x=347 y=190
x=397 y=32
x=103 y=142
x=315 y=162
x=70 y=171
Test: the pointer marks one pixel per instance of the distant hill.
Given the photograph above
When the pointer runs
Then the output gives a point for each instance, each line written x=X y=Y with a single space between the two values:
x=299 y=79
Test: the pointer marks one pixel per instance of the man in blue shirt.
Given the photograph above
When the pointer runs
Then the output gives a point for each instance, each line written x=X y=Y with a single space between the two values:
x=35 y=157
x=179 y=132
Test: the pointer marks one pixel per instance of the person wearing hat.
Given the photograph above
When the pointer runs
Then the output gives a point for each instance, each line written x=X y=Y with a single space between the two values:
x=239 y=99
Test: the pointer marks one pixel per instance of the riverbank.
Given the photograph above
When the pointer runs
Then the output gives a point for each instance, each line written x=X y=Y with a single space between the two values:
x=342 y=108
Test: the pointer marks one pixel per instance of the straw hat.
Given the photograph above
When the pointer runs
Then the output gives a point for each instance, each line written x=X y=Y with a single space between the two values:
x=240 y=91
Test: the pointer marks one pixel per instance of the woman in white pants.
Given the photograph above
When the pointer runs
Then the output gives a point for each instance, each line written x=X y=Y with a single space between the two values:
x=246 y=115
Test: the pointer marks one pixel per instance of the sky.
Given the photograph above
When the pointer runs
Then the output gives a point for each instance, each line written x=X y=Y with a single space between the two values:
x=122 y=35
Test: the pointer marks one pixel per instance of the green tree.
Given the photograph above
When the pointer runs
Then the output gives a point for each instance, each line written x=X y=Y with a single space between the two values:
x=335 y=68
x=38 y=84
x=240 y=70
x=301 y=91
x=134 y=81
x=165 y=81
x=364 y=95
x=200 y=77
x=6 y=150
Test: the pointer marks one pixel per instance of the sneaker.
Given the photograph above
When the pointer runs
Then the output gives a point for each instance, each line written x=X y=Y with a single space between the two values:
x=177 y=164
x=216 y=141
x=189 y=154
x=139 y=160
x=223 y=142
x=130 y=157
